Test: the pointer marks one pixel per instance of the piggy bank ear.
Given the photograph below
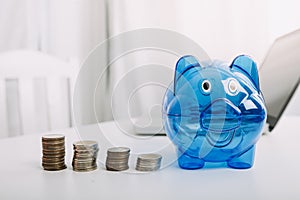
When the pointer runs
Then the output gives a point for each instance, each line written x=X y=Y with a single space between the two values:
x=184 y=64
x=248 y=66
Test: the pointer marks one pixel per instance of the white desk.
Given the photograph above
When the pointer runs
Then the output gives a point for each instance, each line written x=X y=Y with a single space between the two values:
x=275 y=175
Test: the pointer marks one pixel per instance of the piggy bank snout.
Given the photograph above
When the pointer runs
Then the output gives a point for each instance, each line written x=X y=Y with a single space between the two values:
x=221 y=115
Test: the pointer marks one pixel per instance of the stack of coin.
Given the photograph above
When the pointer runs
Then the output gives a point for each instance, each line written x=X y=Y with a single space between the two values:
x=117 y=158
x=85 y=156
x=53 y=152
x=148 y=162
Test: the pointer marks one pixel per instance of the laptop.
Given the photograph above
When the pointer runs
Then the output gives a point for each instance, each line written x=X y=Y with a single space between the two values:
x=280 y=76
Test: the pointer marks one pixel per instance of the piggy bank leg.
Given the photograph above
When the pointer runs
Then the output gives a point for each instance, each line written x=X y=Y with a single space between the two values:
x=186 y=161
x=244 y=161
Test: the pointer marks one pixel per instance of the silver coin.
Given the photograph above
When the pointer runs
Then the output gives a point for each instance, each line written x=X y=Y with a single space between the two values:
x=147 y=169
x=89 y=153
x=85 y=150
x=62 y=162
x=117 y=158
x=118 y=150
x=116 y=162
x=85 y=144
x=82 y=167
x=62 y=155
x=148 y=162
x=53 y=147
x=84 y=161
x=53 y=159
x=53 y=165
x=53 y=143
x=142 y=164
x=88 y=143
x=54 y=168
x=51 y=137
x=87 y=169
x=53 y=152
x=117 y=168
x=150 y=156
x=85 y=155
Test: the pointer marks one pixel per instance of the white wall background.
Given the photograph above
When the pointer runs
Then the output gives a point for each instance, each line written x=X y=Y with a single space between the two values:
x=224 y=29
x=71 y=28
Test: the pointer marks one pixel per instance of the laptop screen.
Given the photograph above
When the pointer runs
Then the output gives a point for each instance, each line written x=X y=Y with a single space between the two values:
x=280 y=75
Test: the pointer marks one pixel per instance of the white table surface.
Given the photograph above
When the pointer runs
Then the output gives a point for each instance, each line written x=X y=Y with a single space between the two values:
x=275 y=174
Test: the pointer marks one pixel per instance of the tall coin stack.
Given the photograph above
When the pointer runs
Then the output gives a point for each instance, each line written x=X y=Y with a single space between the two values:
x=53 y=152
x=85 y=156
x=117 y=158
x=148 y=162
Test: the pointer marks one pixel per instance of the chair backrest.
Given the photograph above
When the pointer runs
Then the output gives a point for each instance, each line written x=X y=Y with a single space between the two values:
x=35 y=92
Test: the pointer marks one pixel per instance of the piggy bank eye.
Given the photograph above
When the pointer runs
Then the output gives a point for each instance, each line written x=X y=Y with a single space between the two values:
x=206 y=86
x=232 y=86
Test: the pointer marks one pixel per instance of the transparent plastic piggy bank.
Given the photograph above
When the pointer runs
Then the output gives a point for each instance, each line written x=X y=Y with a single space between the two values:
x=214 y=112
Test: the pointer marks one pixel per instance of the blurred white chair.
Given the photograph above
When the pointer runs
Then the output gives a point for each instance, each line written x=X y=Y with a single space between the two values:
x=35 y=92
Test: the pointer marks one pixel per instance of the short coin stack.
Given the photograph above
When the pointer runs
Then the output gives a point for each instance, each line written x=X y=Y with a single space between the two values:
x=53 y=152
x=85 y=156
x=148 y=162
x=117 y=158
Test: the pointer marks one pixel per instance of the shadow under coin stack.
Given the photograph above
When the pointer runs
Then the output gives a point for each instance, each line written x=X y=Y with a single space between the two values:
x=148 y=162
x=53 y=152
x=85 y=156
x=117 y=158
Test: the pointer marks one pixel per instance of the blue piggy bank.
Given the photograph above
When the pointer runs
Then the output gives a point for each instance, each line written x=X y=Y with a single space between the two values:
x=214 y=112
